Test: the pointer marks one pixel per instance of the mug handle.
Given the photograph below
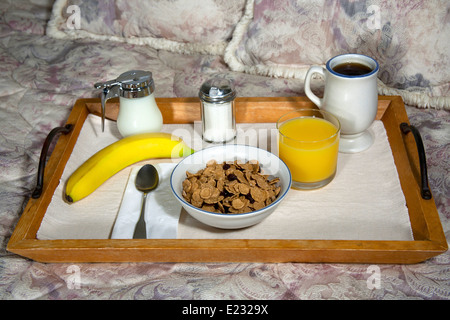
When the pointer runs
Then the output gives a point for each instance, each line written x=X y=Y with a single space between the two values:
x=314 y=69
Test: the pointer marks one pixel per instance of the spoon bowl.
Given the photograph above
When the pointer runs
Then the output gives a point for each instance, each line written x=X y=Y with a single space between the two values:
x=147 y=179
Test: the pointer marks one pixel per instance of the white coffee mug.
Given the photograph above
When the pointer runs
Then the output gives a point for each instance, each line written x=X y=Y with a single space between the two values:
x=351 y=96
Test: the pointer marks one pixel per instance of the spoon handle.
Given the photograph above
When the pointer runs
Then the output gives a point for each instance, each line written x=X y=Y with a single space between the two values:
x=140 y=231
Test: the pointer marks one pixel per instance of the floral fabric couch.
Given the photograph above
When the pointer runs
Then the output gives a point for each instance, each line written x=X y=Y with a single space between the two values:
x=53 y=52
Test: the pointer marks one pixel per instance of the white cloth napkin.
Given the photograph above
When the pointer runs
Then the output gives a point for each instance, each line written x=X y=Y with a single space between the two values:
x=162 y=212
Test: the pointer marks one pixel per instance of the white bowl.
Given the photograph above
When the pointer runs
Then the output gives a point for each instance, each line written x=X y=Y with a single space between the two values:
x=270 y=164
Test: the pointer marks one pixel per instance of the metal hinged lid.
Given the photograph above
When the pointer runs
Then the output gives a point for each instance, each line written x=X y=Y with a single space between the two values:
x=136 y=80
x=130 y=84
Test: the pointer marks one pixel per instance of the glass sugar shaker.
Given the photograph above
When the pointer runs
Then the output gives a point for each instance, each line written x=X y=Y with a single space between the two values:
x=138 y=112
x=218 y=111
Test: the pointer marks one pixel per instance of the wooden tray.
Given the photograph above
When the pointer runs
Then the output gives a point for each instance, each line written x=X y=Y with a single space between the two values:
x=429 y=239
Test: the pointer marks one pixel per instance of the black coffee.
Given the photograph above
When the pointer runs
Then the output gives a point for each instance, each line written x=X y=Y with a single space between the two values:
x=352 y=69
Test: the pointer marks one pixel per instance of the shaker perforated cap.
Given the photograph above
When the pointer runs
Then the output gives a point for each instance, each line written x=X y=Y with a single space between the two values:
x=217 y=90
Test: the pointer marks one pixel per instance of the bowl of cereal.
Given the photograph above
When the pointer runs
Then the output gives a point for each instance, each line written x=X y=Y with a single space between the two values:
x=230 y=186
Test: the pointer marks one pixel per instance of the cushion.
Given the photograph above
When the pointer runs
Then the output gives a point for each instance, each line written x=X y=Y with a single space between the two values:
x=409 y=39
x=183 y=26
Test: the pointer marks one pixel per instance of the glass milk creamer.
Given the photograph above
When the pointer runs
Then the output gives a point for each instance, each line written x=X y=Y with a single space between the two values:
x=138 y=112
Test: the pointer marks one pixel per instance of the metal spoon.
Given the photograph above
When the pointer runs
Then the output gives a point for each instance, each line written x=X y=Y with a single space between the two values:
x=146 y=180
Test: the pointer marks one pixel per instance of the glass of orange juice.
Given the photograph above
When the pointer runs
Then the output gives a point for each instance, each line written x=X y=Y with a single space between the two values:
x=308 y=143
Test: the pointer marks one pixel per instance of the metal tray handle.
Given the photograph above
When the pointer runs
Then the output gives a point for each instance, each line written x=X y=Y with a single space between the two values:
x=424 y=188
x=42 y=160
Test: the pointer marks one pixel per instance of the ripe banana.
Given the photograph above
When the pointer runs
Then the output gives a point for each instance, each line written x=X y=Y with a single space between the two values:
x=113 y=158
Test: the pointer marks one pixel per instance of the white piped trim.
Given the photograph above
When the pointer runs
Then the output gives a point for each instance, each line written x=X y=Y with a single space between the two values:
x=57 y=20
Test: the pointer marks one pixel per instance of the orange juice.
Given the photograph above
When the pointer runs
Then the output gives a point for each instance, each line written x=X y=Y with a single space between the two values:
x=309 y=147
